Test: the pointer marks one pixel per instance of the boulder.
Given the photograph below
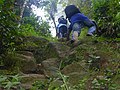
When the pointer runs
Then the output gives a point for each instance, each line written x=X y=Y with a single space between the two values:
x=36 y=45
x=57 y=49
x=75 y=71
x=50 y=67
x=29 y=79
x=23 y=61
x=42 y=49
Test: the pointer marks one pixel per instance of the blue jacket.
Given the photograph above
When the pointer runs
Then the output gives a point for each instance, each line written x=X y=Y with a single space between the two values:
x=80 y=18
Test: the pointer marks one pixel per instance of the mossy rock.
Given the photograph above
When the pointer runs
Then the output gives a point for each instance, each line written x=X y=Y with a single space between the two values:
x=28 y=80
x=36 y=45
x=56 y=50
x=24 y=62
x=51 y=51
x=51 y=67
x=32 y=43
x=42 y=48
x=74 y=55
x=75 y=71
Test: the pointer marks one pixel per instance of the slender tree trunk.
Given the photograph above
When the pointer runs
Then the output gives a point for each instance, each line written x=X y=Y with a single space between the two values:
x=22 y=11
x=54 y=25
x=53 y=19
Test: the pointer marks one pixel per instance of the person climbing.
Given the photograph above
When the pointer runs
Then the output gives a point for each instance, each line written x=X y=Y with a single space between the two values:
x=62 y=28
x=77 y=22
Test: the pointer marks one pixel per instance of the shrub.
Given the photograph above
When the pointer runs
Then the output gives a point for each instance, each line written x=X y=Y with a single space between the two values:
x=106 y=13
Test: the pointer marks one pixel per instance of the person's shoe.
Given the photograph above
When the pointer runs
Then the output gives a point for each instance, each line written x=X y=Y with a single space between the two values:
x=72 y=41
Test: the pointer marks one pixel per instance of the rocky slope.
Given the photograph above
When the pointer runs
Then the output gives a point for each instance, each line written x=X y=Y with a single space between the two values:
x=39 y=59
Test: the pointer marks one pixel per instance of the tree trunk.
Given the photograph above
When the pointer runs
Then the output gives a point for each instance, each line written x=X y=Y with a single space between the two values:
x=53 y=19
x=55 y=25
x=22 y=11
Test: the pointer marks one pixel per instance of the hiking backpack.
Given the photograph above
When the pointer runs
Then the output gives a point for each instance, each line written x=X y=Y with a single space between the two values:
x=71 y=10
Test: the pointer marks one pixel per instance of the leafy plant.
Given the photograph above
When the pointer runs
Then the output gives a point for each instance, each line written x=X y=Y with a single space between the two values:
x=105 y=13
x=104 y=83
x=8 y=26
x=27 y=30
x=65 y=81
x=81 y=85
x=39 y=85
x=38 y=26
x=10 y=82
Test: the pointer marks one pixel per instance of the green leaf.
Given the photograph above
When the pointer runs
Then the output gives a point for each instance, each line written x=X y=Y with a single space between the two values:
x=1 y=2
x=2 y=78
x=9 y=85
x=15 y=83
x=95 y=81
x=118 y=16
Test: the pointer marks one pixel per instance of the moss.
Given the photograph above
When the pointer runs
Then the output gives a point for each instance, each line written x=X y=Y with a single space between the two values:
x=1 y=60
x=51 y=51
x=10 y=60
x=27 y=45
x=36 y=45
x=75 y=78
x=10 y=71
x=15 y=63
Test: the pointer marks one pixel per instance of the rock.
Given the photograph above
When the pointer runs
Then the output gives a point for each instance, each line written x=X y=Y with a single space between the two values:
x=26 y=53
x=75 y=77
x=76 y=67
x=55 y=84
x=75 y=71
x=42 y=49
x=29 y=79
x=100 y=60
x=36 y=45
x=58 y=49
x=23 y=60
x=50 y=67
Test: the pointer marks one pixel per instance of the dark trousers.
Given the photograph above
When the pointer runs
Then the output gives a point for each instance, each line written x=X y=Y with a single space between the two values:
x=63 y=31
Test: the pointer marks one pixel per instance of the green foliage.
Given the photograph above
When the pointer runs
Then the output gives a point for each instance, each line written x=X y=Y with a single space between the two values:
x=104 y=83
x=97 y=83
x=8 y=26
x=65 y=82
x=81 y=85
x=33 y=20
x=106 y=13
x=39 y=85
x=1 y=3
x=44 y=29
x=27 y=30
x=51 y=84
x=38 y=25
x=117 y=17
x=11 y=82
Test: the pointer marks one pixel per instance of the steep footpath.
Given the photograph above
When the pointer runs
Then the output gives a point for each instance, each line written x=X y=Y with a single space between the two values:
x=92 y=65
